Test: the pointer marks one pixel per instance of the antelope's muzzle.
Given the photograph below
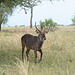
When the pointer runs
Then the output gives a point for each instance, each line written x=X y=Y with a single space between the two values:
x=44 y=38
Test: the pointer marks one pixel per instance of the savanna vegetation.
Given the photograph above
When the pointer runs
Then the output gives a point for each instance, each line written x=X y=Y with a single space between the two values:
x=58 y=52
x=7 y=7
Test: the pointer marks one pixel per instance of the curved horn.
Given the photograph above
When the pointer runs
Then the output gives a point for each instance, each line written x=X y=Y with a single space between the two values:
x=37 y=28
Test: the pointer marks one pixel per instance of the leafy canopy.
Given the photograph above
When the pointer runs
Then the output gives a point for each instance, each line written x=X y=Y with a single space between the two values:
x=4 y=12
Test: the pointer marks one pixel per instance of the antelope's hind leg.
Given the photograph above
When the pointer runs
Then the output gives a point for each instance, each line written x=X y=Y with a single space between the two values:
x=23 y=46
x=27 y=54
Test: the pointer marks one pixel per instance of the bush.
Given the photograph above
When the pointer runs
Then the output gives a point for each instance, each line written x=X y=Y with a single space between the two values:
x=49 y=23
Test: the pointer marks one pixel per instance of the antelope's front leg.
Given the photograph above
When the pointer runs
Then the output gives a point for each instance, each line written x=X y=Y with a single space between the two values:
x=35 y=52
x=40 y=55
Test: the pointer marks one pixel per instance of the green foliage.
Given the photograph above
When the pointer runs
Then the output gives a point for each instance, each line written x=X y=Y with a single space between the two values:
x=6 y=8
x=49 y=23
x=4 y=13
x=9 y=3
x=73 y=20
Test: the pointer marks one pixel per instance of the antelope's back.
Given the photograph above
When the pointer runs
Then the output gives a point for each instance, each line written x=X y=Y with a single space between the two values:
x=29 y=40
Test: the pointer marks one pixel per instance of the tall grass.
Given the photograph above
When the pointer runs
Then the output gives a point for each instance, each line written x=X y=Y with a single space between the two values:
x=58 y=53
x=22 y=67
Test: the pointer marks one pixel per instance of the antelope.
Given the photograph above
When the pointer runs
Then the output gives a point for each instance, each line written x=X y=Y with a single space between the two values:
x=33 y=42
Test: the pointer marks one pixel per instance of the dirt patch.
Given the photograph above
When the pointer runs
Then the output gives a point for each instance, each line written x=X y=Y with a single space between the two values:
x=66 y=28
x=26 y=29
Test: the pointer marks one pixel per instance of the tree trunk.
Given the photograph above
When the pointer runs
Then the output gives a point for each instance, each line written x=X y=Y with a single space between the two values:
x=31 y=17
x=0 y=27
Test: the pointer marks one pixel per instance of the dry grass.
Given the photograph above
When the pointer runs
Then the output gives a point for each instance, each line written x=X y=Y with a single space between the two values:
x=58 y=53
x=22 y=67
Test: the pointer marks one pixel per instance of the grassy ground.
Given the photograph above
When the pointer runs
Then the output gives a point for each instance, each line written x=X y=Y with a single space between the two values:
x=58 y=52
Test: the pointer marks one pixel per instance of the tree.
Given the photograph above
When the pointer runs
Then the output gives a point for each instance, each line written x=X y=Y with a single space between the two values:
x=4 y=12
x=6 y=8
x=29 y=4
x=73 y=20
x=23 y=4
x=49 y=23
x=9 y=3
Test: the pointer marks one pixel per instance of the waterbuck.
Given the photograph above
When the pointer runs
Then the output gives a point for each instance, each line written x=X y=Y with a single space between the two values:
x=33 y=42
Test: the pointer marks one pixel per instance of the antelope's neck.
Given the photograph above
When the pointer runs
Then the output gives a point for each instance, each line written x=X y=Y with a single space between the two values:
x=40 y=43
